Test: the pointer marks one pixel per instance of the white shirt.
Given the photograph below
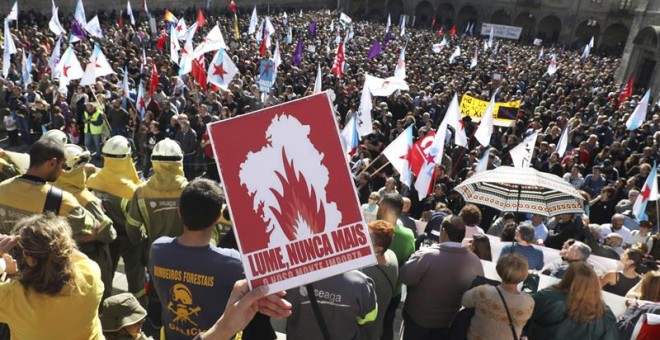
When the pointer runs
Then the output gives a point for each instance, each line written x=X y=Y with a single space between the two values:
x=469 y=232
x=606 y=229
x=10 y=123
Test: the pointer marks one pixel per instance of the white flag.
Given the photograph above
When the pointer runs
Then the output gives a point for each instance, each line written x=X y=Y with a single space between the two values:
x=13 y=14
x=638 y=116
x=482 y=165
x=491 y=38
x=437 y=148
x=397 y=153
x=129 y=11
x=79 y=13
x=69 y=66
x=541 y=53
x=213 y=42
x=455 y=120
x=269 y=30
x=174 y=47
x=591 y=42
x=54 y=23
x=345 y=18
x=389 y=23
x=93 y=27
x=317 y=82
x=585 y=53
x=185 y=62
x=473 y=62
x=456 y=54
x=364 y=123
x=8 y=50
x=562 y=145
x=180 y=29
x=101 y=65
x=522 y=154
x=277 y=57
x=254 y=20
x=380 y=87
x=552 y=67
x=424 y=180
x=55 y=58
x=400 y=70
x=221 y=70
x=485 y=129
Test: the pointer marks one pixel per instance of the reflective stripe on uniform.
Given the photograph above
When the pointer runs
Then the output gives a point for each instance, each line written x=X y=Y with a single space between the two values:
x=370 y=317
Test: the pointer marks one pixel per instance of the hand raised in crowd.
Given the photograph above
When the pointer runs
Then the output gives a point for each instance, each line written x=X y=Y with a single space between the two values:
x=7 y=243
x=243 y=304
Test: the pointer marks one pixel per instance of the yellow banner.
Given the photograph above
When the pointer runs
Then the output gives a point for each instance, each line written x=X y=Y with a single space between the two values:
x=505 y=113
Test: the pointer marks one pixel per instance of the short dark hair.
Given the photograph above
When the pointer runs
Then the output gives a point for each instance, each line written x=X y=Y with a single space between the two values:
x=43 y=151
x=393 y=201
x=454 y=227
x=201 y=204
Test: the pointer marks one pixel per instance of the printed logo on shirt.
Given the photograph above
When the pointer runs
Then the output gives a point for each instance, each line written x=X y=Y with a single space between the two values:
x=184 y=310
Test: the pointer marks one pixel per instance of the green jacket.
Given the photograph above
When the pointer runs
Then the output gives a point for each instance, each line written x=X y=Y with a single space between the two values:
x=549 y=320
x=403 y=245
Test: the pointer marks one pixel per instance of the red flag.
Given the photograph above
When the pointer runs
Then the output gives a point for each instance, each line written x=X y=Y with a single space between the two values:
x=160 y=44
x=199 y=71
x=232 y=6
x=441 y=32
x=262 y=48
x=626 y=92
x=121 y=19
x=338 y=65
x=452 y=31
x=200 y=18
x=153 y=82
x=433 y=23
x=417 y=152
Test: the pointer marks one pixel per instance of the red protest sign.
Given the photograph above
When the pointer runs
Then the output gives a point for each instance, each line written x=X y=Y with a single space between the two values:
x=292 y=199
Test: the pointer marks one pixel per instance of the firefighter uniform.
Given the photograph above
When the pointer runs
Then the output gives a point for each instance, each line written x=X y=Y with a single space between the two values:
x=115 y=185
x=73 y=181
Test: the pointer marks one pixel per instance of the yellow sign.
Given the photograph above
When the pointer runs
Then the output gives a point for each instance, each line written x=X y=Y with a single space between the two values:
x=505 y=113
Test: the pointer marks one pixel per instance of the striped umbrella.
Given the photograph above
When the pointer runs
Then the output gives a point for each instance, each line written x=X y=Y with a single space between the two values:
x=521 y=190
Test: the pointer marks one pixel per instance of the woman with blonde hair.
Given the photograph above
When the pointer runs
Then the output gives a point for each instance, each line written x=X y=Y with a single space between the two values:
x=500 y=311
x=57 y=291
x=573 y=308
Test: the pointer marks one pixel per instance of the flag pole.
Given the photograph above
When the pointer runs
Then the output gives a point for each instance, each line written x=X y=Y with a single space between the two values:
x=370 y=164
x=379 y=169
x=657 y=215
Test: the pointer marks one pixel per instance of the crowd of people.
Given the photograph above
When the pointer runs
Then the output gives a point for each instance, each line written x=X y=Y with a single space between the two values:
x=133 y=191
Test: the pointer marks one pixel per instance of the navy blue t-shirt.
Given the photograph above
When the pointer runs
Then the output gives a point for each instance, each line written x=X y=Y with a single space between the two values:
x=193 y=284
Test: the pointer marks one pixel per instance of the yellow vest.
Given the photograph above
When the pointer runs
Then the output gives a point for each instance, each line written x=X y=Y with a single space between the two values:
x=91 y=128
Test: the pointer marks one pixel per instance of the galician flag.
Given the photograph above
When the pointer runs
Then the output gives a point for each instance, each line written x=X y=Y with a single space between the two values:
x=552 y=67
x=349 y=137
x=648 y=193
x=638 y=116
x=221 y=70
x=482 y=165
x=400 y=70
x=69 y=66
x=364 y=123
x=562 y=145
x=54 y=23
x=129 y=11
x=317 y=81
x=253 y=21
x=397 y=154
x=455 y=120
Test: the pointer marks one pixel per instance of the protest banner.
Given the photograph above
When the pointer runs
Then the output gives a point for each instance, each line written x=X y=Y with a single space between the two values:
x=501 y=31
x=293 y=203
x=505 y=113
x=266 y=75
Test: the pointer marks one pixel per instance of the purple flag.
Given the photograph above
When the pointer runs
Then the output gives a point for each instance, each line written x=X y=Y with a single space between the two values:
x=375 y=50
x=296 y=59
x=312 y=29
x=388 y=38
x=77 y=30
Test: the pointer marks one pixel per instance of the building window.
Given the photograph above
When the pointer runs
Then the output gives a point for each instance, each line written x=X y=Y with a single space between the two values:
x=625 y=5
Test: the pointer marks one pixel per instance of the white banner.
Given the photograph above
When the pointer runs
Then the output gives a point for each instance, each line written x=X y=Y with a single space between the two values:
x=501 y=31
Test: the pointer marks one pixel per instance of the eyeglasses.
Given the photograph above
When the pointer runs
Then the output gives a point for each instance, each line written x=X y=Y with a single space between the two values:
x=373 y=198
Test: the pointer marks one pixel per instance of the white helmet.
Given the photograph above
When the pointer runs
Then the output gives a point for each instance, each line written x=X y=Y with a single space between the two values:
x=167 y=150
x=75 y=156
x=55 y=135
x=116 y=147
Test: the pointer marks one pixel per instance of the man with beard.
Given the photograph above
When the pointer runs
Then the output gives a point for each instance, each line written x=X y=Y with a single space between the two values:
x=31 y=194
